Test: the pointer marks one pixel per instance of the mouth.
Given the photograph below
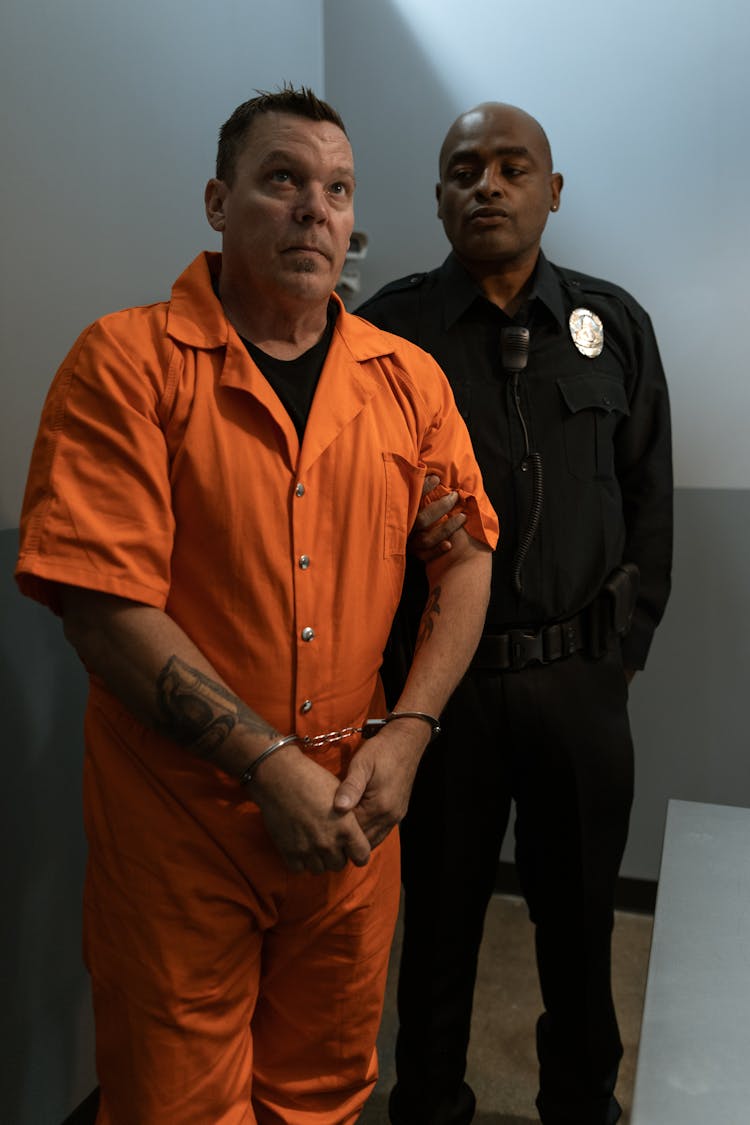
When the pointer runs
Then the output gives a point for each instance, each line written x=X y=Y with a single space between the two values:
x=488 y=216
x=306 y=251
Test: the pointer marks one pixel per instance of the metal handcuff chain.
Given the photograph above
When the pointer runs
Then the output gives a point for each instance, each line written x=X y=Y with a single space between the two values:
x=369 y=729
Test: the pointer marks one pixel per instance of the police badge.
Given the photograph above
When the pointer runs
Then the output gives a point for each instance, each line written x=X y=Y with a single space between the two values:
x=587 y=331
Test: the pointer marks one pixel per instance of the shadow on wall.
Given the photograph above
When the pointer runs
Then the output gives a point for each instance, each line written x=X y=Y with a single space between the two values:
x=396 y=208
x=45 y=1038
x=397 y=128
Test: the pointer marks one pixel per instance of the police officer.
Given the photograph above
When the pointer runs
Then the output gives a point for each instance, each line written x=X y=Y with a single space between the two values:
x=559 y=379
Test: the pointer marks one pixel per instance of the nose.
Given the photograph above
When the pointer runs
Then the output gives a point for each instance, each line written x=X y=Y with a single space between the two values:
x=312 y=204
x=490 y=182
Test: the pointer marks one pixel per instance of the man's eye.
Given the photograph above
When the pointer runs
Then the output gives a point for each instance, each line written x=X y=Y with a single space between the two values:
x=511 y=171
x=281 y=176
x=338 y=188
x=462 y=175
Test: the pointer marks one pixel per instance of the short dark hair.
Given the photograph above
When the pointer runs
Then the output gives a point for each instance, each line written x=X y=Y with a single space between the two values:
x=300 y=102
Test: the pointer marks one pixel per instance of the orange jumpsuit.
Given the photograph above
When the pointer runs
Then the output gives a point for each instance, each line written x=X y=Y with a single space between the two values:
x=166 y=471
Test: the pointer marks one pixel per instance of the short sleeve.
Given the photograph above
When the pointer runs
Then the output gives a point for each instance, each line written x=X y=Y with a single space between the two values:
x=97 y=511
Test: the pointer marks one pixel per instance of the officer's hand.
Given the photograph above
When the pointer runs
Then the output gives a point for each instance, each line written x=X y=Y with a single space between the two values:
x=378 y=784
x=431 y=535
x=295 y=796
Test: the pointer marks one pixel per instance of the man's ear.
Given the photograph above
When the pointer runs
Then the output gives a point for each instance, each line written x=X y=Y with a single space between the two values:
x=214 y=196
x=556 y=184
x=438 y=194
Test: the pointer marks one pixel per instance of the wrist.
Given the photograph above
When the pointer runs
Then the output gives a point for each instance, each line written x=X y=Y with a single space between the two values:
x=417 y=720
x=248 y=774
x=409 y=731
x=417 y=717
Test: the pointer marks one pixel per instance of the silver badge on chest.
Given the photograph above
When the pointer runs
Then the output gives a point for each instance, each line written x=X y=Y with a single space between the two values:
x=587 y=331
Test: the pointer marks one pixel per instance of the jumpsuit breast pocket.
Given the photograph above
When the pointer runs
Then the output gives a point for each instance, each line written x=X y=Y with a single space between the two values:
x=593 y=405
x=403 y=492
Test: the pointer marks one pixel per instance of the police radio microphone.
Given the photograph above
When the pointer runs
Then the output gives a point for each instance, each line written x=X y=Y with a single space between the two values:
x=514 y=355
x=514 y=347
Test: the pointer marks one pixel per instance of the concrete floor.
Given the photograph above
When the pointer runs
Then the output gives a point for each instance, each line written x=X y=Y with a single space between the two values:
x=502 y=1061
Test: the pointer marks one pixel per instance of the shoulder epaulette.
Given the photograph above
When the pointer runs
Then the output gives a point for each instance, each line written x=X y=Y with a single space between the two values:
x=574 y=279
x=401 y=285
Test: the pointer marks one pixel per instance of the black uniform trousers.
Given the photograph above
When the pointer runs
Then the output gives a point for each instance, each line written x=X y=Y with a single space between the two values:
x=556 y=739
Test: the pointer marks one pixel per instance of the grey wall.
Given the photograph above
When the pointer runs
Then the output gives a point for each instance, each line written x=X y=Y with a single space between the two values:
x=108 y=139
x=689 y=707
x=46 y=1054
x=645 y=104
x=108 y=136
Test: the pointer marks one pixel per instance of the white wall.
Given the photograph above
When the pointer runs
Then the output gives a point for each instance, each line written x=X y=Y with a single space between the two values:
x=110 y=118
x=646 y=104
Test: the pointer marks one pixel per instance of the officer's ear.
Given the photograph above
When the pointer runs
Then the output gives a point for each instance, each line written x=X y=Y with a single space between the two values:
x=214 y=197
x=556 y=186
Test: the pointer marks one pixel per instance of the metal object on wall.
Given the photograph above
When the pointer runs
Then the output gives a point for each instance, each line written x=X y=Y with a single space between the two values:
x=349 y=282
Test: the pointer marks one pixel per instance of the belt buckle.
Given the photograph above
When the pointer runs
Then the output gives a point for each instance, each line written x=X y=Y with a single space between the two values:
x=570 y=642
x=524 y=648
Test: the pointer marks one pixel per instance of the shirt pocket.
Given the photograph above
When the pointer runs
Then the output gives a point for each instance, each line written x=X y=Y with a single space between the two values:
x=403 y=491
x=596 y=402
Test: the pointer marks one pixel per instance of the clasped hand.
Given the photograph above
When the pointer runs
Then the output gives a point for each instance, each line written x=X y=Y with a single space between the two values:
x=318 y=823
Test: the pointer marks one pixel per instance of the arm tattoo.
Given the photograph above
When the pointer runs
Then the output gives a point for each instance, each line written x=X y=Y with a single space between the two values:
x=199 y=713
x=431 y=611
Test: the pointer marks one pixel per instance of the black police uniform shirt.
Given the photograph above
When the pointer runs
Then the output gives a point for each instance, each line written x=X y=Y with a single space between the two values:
x=601 y=426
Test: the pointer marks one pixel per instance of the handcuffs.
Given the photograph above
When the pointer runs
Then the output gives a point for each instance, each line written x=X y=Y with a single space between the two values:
x=369 y=729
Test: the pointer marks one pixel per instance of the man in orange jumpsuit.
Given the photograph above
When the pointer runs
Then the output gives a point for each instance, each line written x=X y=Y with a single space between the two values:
x=195 y=512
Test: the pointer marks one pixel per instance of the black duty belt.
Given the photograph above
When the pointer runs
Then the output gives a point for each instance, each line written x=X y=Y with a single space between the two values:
x=592 y=630
x=515 y=649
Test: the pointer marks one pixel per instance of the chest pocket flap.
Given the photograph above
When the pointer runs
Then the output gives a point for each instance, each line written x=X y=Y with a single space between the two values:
x=594 y=391
x=596 y=402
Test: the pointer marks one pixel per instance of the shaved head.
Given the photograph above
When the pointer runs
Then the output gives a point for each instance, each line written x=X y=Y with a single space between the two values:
x=486 y=115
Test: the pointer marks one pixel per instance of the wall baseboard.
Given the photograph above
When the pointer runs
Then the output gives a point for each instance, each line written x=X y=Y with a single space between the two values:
x=636 y=896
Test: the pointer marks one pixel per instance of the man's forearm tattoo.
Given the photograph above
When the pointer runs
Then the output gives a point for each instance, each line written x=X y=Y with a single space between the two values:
x=199 y=713
x=431 y=611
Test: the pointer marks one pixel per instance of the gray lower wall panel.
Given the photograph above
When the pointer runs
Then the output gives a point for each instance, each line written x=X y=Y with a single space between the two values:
x=688 y=719
x=689 y=706
x=45 y=1029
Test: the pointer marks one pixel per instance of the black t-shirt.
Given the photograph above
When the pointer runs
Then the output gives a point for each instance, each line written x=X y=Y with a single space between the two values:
x=295 y=380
